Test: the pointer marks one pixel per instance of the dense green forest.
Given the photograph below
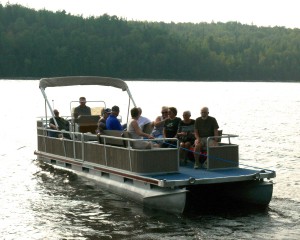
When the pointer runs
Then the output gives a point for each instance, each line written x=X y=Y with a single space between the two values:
x=41 y=43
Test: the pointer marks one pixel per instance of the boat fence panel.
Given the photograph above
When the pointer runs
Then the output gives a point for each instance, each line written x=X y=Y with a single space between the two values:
x=94 y=153
x=145 y=161
x=39 y=125
x=223 y=156
x=59 y=146
x=138 y=160
x=54 y=146
x=41 y=145
x=154 y=160
x=110 y=156
x=118 y=157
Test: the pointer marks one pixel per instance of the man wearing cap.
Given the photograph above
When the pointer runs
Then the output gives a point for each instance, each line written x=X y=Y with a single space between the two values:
x=82 y=109
x=102 y=121
x=112 y=122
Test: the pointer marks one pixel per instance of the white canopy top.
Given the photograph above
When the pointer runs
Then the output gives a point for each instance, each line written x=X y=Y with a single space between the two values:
x=82 y=80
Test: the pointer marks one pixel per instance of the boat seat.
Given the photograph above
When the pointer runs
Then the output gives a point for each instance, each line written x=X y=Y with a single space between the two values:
x=88 y=119
x=112 y=141
x=86 y=123
x=148 y=128
x=127 y=135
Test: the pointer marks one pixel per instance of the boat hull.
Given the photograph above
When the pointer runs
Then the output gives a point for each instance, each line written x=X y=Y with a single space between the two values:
x=171 y=200
x=176 y=200
x=255 y=192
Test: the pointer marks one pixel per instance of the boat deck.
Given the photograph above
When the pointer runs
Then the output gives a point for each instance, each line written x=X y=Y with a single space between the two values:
x=187 y=175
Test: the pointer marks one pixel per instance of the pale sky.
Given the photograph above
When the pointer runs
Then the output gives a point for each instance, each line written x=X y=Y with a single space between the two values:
x=258 y=12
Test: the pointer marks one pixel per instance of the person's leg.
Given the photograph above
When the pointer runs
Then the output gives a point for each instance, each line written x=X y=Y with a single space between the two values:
x=181 y=151
x=203 y=161
x=187 y=146
x=197 y=153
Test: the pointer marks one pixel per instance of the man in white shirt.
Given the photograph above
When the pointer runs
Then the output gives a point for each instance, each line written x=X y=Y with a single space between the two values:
x=143 y=121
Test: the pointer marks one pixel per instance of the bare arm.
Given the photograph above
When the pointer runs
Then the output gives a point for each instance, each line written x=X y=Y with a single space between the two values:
x=164 y=132
x=216 y=134
x=138 y=130
x=158 y=122
x=52 y=126
x=197 y=136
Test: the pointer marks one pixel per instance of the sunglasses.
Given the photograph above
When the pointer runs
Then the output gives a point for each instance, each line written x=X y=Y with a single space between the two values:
x=164 y=112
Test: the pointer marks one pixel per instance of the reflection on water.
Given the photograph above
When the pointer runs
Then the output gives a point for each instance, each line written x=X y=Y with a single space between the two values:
x=41 y=202
x=49 y=203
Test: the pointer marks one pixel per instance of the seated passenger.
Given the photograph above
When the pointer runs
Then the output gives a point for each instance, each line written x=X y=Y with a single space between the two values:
x=102 y=121
x=136 y=131
x=112 y=122
x=171 y=127
x=143 y=121
x=62 y=124
x=82 y=109
x=159 y=123
x=186 y=135
x=205 y=126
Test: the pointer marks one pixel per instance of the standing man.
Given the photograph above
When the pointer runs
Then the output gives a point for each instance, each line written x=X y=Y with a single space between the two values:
x=82 y=109
x=112 y=122
x=205 y=126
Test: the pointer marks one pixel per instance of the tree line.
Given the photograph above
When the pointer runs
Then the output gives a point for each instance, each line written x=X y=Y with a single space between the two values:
x=45 y=44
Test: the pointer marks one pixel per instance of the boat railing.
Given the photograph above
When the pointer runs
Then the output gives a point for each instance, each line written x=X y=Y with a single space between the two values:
x=85 y=148
x=222 y=155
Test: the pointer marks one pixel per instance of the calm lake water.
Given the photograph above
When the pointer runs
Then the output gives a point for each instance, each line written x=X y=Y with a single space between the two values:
x=39 y=202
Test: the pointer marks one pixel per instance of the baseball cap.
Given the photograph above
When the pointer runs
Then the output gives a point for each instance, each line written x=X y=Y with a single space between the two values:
x=107 y=110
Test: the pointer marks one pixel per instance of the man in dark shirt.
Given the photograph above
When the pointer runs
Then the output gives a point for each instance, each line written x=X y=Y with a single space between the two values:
x=82 y=109
x=171 y=127
x=102 y=121
x=205 y=126
x=62 y=124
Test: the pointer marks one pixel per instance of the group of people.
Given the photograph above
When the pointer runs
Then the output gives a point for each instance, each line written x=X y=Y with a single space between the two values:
x=188 y=131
